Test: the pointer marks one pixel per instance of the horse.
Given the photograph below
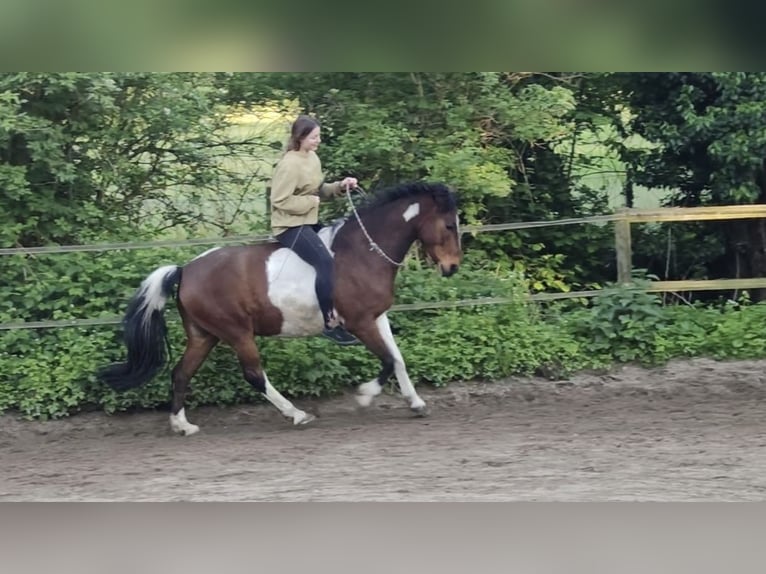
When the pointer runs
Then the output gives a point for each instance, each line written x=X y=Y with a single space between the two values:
x=232 y=293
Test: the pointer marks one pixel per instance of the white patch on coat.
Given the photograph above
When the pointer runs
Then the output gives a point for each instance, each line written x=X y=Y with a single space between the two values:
x=412 y=211
x=291 y=289
x=457 y=228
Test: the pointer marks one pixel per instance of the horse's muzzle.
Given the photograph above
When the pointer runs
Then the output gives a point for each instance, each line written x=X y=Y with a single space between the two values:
x=449 y=271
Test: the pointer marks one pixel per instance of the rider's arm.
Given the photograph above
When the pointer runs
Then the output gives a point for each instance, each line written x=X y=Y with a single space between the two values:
x=328 y=190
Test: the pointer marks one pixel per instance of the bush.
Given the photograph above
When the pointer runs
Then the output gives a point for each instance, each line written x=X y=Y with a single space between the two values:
x=628 y=324
x=622 y=323
x=50 y=372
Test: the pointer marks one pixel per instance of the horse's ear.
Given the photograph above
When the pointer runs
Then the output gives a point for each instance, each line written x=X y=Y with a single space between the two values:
x=445 y=197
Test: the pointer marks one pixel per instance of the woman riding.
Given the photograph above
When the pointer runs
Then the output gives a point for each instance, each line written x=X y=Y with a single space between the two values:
x=297 y=187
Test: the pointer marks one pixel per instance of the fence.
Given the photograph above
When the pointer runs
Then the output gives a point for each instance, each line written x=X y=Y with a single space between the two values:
x=622 y=220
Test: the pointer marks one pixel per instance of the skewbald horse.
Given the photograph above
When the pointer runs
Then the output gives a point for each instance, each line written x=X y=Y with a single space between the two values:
x=230 y=294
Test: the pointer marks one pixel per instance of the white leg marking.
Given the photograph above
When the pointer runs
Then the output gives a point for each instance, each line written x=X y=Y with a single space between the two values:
x=412 y=211
x=400 y=369
x=180 y=425
x=368 y=391
x=286 y=407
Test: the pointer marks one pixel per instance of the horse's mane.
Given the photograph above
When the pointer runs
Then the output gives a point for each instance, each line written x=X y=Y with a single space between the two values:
x=443 y=196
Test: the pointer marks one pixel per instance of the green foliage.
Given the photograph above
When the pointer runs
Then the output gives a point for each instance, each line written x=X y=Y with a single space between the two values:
x=622 y=322
x=76 y=285
x=628 y=324
x=485 y=342
x=476 y=131
x=50 y=372
x=706 y=125
x=732 y=331
x=91 y=156
x=482 y=341
x=103 y=156
x=707 y=144
x=678 y=250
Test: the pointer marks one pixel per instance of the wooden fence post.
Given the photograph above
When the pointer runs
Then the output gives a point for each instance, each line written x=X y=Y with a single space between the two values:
x=623 y=248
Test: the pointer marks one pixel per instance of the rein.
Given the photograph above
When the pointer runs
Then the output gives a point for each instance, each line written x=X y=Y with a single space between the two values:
x=373 y=246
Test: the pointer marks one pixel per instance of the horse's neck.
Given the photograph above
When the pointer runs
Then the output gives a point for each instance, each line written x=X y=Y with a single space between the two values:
x=392 y=234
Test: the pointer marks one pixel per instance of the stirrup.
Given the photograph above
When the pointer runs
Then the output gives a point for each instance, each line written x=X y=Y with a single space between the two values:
x=340 y=336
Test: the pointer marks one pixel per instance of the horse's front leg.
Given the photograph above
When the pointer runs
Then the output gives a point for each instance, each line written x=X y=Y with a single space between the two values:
x=378 y=338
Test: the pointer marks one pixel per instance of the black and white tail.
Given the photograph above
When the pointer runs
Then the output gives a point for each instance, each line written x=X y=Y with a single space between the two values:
x=145 y=332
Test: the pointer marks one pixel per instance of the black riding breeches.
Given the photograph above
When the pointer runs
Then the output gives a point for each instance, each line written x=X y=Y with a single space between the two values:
x=309 y=247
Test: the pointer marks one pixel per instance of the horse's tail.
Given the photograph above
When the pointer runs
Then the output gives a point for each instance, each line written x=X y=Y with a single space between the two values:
x=145 y=332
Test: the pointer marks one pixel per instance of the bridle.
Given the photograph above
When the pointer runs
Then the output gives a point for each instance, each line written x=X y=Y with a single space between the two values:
x=373 y=246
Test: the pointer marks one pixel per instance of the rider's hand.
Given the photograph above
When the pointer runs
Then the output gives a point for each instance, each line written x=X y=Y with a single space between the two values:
x=349 y=183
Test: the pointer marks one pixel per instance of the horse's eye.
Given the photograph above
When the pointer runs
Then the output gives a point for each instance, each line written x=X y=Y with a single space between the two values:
x=451 y=226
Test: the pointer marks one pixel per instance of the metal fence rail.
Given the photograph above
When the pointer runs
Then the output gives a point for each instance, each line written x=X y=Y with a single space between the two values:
x=622 y=220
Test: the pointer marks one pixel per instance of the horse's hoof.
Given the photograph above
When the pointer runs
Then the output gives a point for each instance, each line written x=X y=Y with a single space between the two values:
x=418 y=406
x=188 y=430
x=366 y=392
x=420 y=410
x=303 y=419
x=179 y=424
x=364 y=401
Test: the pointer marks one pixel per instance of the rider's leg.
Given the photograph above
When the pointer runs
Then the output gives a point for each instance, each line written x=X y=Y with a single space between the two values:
x=309 y=247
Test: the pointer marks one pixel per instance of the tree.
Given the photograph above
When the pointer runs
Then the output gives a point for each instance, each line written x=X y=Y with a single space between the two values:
x=711 y=145
x=471 y=129
x=92 y=156
x=494 y=136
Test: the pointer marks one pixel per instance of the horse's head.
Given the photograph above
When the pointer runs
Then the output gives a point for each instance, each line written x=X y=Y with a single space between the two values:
x=438 y=229
x=415 y=211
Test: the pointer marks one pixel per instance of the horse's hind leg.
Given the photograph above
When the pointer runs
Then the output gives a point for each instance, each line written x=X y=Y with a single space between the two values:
x=380 y=340
x=198 y=346
x=250 y=360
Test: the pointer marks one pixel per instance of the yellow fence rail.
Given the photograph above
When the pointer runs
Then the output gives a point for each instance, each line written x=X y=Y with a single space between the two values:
x=622 y=242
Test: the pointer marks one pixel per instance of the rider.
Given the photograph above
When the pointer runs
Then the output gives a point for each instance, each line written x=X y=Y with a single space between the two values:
x=296 y=189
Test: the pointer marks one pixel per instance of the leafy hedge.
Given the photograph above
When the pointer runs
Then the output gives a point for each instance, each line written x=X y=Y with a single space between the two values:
x=49 y=373
x=629 y=324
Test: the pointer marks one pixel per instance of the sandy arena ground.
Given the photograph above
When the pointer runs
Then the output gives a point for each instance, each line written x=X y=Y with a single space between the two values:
x=692 y=430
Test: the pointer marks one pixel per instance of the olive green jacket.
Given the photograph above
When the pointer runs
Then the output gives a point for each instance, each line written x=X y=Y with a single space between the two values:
x=296 y=183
